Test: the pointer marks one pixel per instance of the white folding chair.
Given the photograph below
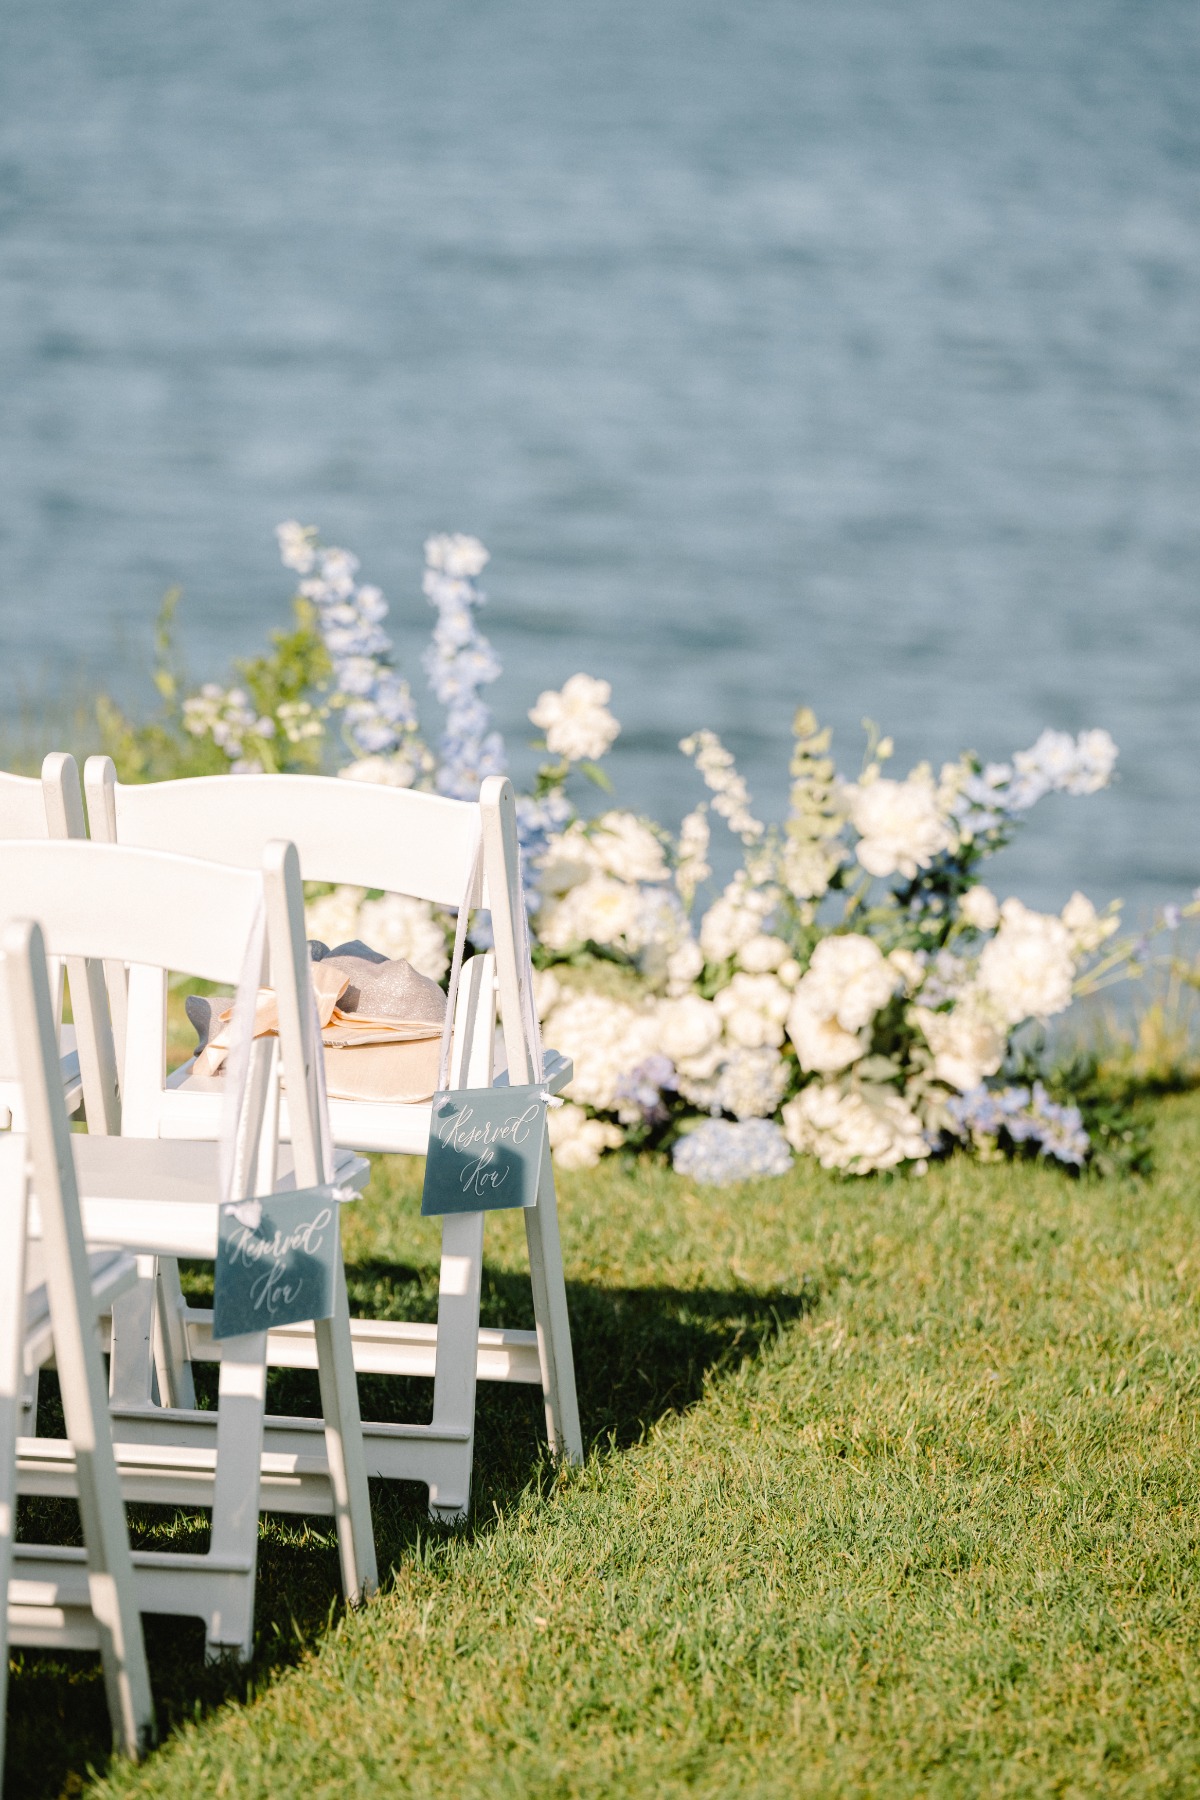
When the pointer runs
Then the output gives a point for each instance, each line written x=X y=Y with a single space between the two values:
x=156 y=913
x=52 y=807
x=83 y=1599
x=424 y=846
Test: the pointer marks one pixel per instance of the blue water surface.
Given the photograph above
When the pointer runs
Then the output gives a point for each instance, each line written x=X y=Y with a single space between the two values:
x=847 y=354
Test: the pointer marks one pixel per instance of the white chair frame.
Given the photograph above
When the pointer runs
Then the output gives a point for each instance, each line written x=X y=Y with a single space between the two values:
x=155 y=912
x=421 y=845
x=64 y=1598
x=34 y=808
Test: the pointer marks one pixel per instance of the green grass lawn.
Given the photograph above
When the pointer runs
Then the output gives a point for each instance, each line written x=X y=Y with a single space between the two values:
x=892 y=1490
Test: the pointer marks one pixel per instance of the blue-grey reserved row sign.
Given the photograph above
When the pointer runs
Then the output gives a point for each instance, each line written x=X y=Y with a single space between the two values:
x=276 y=1261
x=485 y=1150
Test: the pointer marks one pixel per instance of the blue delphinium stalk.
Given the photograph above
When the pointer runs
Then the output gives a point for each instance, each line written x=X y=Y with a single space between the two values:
x=379 y=718
x=721 y=1150
x=459 y=662
x=1026 y=1116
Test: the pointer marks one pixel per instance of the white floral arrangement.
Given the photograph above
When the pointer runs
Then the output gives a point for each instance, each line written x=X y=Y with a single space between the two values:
x=851 y=994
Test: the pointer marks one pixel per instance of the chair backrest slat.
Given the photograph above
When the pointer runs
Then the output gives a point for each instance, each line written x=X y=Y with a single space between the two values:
x=345 y=831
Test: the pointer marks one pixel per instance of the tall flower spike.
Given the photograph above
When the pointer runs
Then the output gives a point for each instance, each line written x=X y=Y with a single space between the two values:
x=459 y=662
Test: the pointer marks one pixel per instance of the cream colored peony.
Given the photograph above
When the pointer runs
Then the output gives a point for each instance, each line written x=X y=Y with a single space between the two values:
x=864 y=1128
x=900 y=826
x=979 y=907
x=846 y=983
x=600 y=909
x=576 y=719
x=1028 y=967
x=626 y=848
x=577 y=1141
x=968 y=1043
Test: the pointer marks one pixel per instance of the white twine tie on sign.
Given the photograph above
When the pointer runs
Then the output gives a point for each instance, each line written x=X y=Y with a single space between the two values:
x=473 y=897
x=235 y=1153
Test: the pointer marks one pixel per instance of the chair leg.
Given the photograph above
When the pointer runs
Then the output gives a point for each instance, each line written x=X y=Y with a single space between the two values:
x=553 y=1320
x=344 y=1448
x=13 y=1382
x=454 y=1380
x=241 y=1406
x=172 y=1358
x=131 y=1380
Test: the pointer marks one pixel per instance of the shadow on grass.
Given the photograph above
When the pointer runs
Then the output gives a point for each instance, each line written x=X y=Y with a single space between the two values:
x=640 y=1353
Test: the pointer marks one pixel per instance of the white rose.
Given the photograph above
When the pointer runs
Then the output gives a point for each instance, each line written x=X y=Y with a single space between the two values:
x=1028 y=967
x=689 y=1032
x=967 y=1043
x=866 y=1128
x=398 y=925
x=576 y=720
x=762 y=954
x=900 y=827
x=979 y=907
x=577 y=1141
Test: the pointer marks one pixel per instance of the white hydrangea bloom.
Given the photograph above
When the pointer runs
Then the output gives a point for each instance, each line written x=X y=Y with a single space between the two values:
x=333 y=919
x=735 y=918
x=1087 y=927
x=454 y=553
x=968 y=1042
x=684 y=964
x=900 y=825
x=399 y=925
x=689 y=1032
x=576 y=720
x=979 y=907
x=604 y=1039
x=762 y=954
x=751 y=1083
x=577 y=1141
x=864 y=1128
x=753 y=1009
x=1028 y=967
x=822 y=1045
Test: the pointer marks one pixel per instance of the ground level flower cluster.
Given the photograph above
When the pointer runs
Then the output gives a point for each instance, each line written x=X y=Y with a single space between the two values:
x=852 y=993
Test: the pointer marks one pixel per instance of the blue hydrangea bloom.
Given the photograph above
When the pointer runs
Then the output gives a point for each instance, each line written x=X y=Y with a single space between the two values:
x=721 y=1151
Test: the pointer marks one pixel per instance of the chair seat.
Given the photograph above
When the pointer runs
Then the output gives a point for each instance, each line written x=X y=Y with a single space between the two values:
x=191 y=1107
x=112 y=1272
x=160 y=1195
